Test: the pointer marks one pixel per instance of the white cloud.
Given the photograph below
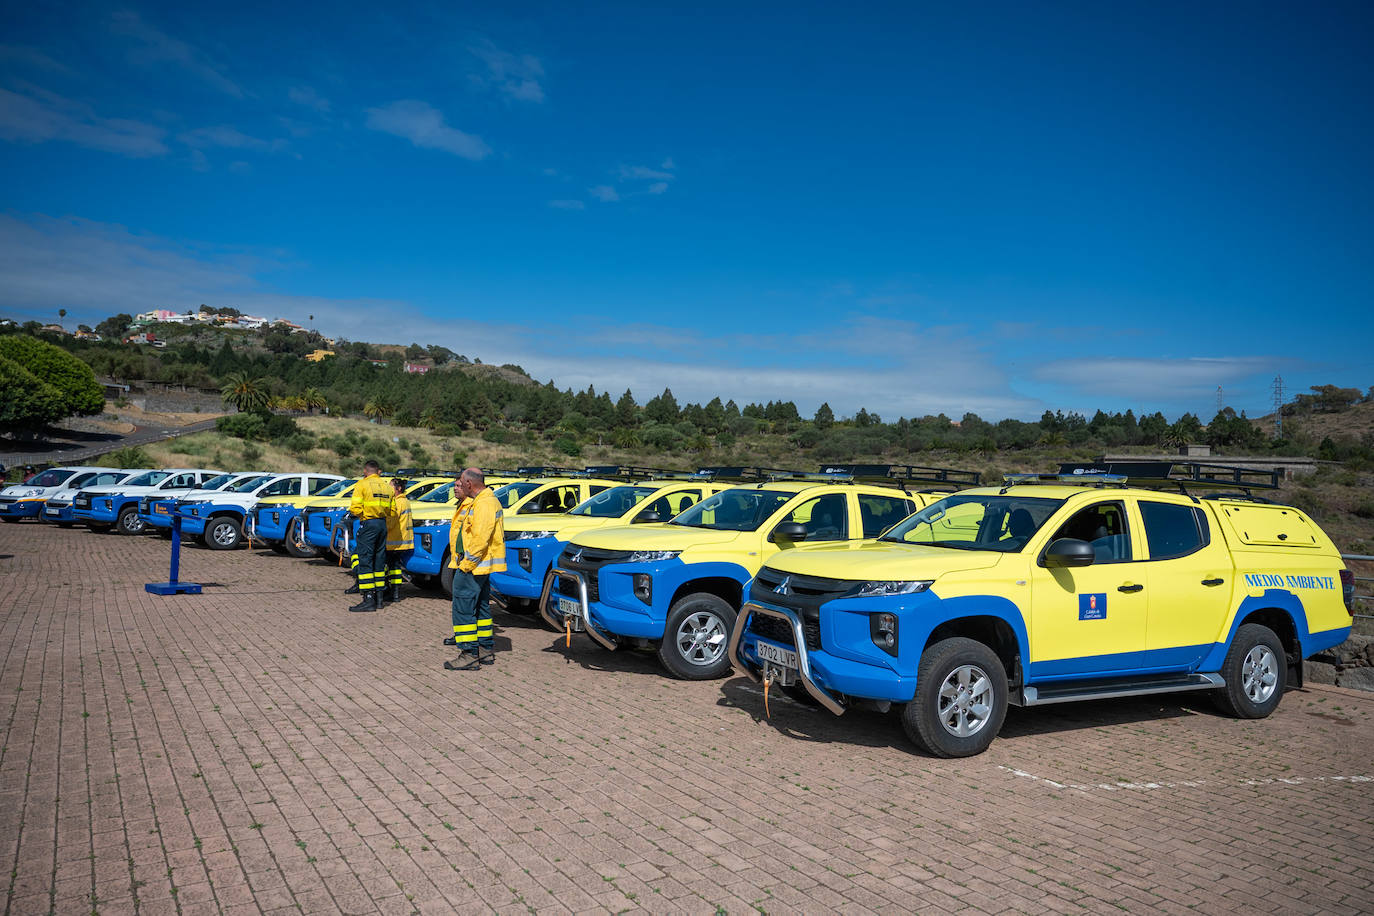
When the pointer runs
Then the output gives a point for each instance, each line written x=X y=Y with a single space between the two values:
x=43 y=116
x=308 y=97
x=644 y=173
x=422 y=124
x=225 y=136
x=604 y=193
x=32 y=58
x=516 y=76
x=668 y=164
x=567 y=205
x=658 y=187
x=155 y=47
x=1163 y=378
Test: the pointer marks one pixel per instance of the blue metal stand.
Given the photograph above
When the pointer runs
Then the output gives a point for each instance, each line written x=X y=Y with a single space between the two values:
x=172 y=586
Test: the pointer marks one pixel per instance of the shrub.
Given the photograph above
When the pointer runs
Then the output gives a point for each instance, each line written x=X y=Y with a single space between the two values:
x=277 y=429
x=131 y=456
x=1364 y=509
x=299 y=444
x=568 y=446
x=420 y=457
x=251 y=452
x=242 y=425
x=498 y=434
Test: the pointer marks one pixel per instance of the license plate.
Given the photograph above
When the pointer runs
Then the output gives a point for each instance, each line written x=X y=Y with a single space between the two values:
x=51 y=511
x=777 y=654
x=571 y=610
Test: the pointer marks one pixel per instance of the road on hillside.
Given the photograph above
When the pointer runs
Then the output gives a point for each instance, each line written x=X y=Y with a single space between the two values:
x=71 y=452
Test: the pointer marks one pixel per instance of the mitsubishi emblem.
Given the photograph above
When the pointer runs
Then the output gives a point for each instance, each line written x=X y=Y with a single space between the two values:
x=577 y=557
x=782 y=588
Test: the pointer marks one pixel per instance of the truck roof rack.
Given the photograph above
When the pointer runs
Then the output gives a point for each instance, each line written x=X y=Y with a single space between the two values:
x=743 y=473
x=904 y=475
x=1183 y=475
x=634 y=471
x=545 y=471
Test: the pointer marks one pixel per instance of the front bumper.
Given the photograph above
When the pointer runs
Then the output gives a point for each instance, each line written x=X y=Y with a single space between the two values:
x=828 y=678
x=427 y=559
x=103 y=510
x=158 y=512
x=578 y=617
x=319 y=527
x=59 y=513
x=271 y=523
x=27 y=507
x=528 y=562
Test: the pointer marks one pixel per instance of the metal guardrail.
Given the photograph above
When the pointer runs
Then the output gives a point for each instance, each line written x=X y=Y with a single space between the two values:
x=1359 y=579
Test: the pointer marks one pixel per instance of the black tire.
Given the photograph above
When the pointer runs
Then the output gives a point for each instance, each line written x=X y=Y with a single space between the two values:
x=9 y=518
x=966 y=722
x=222 y=532
x=446 y=577
x=65 y=524
x=99 y=527
x=129 y=521
x=295 y=545
x=1256 y=673
x=696 y=637
x=277 y=547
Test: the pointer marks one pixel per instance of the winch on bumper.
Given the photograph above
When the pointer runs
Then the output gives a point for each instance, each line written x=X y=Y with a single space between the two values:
x=793 y=650
x=574 y=614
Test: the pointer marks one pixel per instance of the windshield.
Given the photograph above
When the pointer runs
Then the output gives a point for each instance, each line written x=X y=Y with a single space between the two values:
x=214 y=483
x=734 y=510
x=49 y=478
x=337 y=488
x=148 y=479
x=510 y=494
x=976 y=522
x=246 y=484
x=439 y=494
x=614 y=502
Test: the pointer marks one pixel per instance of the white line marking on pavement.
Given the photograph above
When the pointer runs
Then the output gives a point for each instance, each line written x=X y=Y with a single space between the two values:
x=1187 y=783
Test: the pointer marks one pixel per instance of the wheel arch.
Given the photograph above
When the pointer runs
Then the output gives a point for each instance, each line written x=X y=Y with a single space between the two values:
x=1280 y=622
x=725 y=588
x=992 y=631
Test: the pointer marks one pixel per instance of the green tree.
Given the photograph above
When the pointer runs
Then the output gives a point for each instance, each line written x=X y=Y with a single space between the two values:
x=244 y=393
x=825 y=417
x=74 y=380
x=29 y=403
x=626 y=411
x=662 y=409
x=415 y=351
x=115 y=326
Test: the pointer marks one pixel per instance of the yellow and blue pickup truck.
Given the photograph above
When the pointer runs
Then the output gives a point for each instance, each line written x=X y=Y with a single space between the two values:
x=1099 y=581
x=675 y=587
x=535 y=540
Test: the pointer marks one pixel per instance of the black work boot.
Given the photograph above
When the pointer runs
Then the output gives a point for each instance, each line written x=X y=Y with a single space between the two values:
x=370 y=602
x=395 y=591
x=352 y=589
x=467 y=660
x=486 y=655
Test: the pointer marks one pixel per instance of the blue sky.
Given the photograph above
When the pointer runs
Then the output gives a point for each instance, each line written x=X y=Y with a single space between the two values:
x=998 y=208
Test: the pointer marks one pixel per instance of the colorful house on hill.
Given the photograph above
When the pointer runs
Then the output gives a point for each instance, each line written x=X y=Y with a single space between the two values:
x=415 y=368
x=318 y=355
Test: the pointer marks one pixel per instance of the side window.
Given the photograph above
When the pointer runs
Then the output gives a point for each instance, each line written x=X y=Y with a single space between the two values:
x=879 y=513
x=826 y=518
x=179 y=481
x=105 y=479
x=1172 y=530
x=1102 y=525
x=595 y=488
x=318 y=483
x=290 y=486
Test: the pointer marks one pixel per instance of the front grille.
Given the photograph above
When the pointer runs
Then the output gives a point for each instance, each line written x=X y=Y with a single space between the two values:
x=804 y=595
x=58 y=504
x=7 y=500
x=780 y=631
x=588 y=561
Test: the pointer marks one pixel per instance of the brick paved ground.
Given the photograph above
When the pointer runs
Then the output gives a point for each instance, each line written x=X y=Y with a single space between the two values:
x=256 y=748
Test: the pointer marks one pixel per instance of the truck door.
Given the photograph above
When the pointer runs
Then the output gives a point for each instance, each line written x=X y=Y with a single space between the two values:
x=1090 y=620
x=1191 y=582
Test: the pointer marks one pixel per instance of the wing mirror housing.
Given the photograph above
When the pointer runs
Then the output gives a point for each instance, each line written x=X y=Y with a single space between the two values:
x=788 y=531
x=646 y=517
x=1069 y=552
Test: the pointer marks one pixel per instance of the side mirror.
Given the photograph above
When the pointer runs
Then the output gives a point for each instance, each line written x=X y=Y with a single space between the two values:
x=646 y=517
x=1069 y=552
x=788 y=531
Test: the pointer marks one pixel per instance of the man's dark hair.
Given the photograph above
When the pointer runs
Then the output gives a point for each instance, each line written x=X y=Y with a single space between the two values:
x=372 y=466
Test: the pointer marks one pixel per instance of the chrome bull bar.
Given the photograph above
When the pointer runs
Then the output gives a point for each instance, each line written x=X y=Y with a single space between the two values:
x=341 y=533
x=250 y=525
x=584 y=612
x=819 y=693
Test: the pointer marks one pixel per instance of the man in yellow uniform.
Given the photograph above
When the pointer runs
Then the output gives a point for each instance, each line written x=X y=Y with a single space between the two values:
x=372 y=499
x=400 y=539
x=478 y=526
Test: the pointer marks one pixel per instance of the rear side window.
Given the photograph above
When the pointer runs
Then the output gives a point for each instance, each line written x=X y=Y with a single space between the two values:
x=319 y=483
x=880 y=513
x=1172 y=530
x=826 y=518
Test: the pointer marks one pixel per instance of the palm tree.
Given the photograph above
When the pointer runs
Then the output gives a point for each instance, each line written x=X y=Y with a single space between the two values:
x=244 y=393
x=430 y=418
x=313 y=398
x=61 y=314
x=626 y=437
x=376 y=410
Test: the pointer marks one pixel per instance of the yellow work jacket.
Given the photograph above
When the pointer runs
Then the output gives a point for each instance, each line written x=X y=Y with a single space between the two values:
x=480 y=533
x=399 y=534
x=372 y=498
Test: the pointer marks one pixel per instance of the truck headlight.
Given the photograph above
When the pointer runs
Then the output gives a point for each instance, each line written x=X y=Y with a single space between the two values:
x=883 y=629
x=882 y=589
x=652 y=556
x=529 y=535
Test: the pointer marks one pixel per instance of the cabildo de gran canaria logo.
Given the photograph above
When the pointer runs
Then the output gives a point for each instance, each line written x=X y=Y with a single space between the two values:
x=1278 y=580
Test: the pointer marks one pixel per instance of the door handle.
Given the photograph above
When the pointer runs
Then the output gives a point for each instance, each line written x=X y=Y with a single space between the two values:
x=1130 y=588
x=1212 y=581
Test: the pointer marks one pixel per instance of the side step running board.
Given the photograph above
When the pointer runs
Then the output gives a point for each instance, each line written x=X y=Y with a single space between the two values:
x=1100 y=690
